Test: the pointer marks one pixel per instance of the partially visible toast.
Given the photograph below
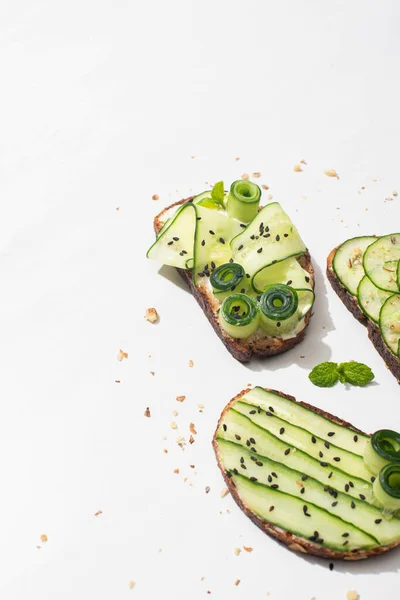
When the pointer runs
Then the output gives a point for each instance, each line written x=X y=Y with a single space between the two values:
x=258 y=344
x=292 y=541
x=374 y=333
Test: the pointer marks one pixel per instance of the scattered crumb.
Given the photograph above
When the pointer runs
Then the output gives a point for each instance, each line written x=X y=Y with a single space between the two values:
x=147 y=412
x=151 y=315
x=265 y=187
x=224 y=492
x=117 y=208
x=192 y=466
x=201 y=406
x=207 y=489
x=117 y=381
x=192 y=429
x=297 y=169
x=181 y=398
x=176 y=471
x=248 y=548
x=237 y=551
x=181 y=442
x=39 y=547
x=175 y=413
x=155 y=197
x=302 y=356
x=244 y=176
x=131 y=585
x=43 y=538
x=191 y=440
x=121 y=355
x=202 y=579
x=191 y=364
x=99 y=512
x=152 y=373
x=237 y=158
x=237 y=581
x=165 y=451
x=208 y=592
x=270 y=196
x=303 y=162
x=313 y=598
x=352 y=595
x=331 y=173
x=174 y=425
x=256 y=175
x=192 y=157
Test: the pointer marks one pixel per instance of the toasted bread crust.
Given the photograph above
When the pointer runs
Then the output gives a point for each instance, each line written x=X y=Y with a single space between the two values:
x=294 y=542
x=374 y=334
x=242 y=350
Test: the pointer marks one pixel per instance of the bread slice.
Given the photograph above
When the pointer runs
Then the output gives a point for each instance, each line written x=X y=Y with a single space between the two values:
x=292 y=541
x=258 y=344
x=374 y=333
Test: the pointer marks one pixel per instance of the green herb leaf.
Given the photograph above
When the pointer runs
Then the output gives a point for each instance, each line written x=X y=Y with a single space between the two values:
x=356 y=373
x=217 y=193
x=324 y=374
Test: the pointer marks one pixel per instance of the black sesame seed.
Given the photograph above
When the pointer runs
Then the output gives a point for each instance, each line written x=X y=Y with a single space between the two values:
x=336 y=458
x=305 y=509
x=253 y=441
x=352 y=504
x=331 y=433
x=373 y=479
x=240 y=247
x=355 y=438
x=334 y=503
x=345 y=543
x=345 y=534
x=241 y=459
x=222 y=240
x=351 y=484
x=259 y=250
x=320 y=454
x=252 y=412
x=199 y=218
x=285 y=234
x=231 y=260
x=211 y=232
x=236 y=471
x=203 y=242
x=327 y=445
x=200 y=274
x=243 y=466
x=330 y=474
x=273 y=262
x=259 y=463
x=282 y=430
x=271 y=508
x=307 y=279
x=176 y=239
x=253 y=449
x=377 y=521
x=303 y=489
x=362 y=496
x=326 y=488
x=313 y=439
x=242 y=291
x=212 y=264
x=237 y=436
x=323 y=464
x=224 y=427
x=243 y=225
x=278 y=323
x=278 y=237
x=247 y=443
x=170 y=243
x=253 y=479
x=228 y=474
x=346 y=487
x=267 y=235
x=271 y=408
x=331 y=566
x=287 y=451
x=303 y=477
x=269 y=413
x=274 y=486
x=289 y=282
x=253 y=458
x=274 y=474
x=269 y=479
x=252 y=237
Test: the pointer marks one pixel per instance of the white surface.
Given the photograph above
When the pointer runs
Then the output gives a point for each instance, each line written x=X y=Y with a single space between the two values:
x=102 y=105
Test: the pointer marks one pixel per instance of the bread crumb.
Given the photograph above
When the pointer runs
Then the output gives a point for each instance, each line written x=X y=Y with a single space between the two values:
x=394 y=193
x=224 y=492
x=201 y=406
x=192 y=157
x=121 y=355
x=152 y=373
x=331 y=173
x=191 y=440
x=207 y=489
x=117 y=208
x=131 y=585
x=43 y=538
x=202 y=579
x=174 y=425
x=155 y=197
x=237 y=581
x=165 y=451
x=147 y=412
x=175 y=413
x=99 y=512
x=237 y=551
x=191 y=364
x=117 y=381
x=39 y=547
x=237 y=158
x=352 y=595
x=192 y=466
x=270 y=196
x=192 y=428
x=297 y=169
x=151 y=315
x=303 y=161
x=181 y=398
x=176 y=471
x=248 y=548
x=244 y=176
x=256 y=175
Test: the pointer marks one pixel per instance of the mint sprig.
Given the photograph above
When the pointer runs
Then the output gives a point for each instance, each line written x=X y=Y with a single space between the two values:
x=327 y=374
x=218 y=192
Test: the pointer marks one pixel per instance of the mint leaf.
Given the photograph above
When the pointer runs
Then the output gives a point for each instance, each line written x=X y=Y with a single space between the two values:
x=356 y=373
x=324 y=374
x=218 y=193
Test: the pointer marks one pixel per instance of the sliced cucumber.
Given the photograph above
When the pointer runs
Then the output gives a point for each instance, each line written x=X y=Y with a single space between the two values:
x=268 y=239
x=363 y=516
x=370 y=298
x=389 y=323
x=174 y=244
x=381 y=262
x=284 y=327
x=243 y=200
x=348 y=262
x=295 y=413
x=211 y=247
x=287 y=271
x=239 y=316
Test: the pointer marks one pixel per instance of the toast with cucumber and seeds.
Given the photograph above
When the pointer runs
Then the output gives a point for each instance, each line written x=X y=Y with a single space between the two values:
x=309 y=479
x=247 y=267
x=365 y=274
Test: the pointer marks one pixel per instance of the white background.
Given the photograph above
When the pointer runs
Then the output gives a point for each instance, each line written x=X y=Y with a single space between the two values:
x=103 y=104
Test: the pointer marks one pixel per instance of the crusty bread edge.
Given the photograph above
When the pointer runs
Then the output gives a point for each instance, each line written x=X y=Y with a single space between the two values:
x=351 y=304
x=293 y=542
x=239 y=349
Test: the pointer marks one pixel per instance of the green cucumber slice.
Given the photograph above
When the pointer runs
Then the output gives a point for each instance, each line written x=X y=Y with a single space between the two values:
x=348 y=262
x=243 y=200
x=174 y=244
x=268 y=239
x=290 y=325
x=211 y=246
x=287 y=271
x=370 y=298
x=398 y=274
x=239 y=316
x=290 y=481
x=381 y=262
x=387 y=487
x=389 y=323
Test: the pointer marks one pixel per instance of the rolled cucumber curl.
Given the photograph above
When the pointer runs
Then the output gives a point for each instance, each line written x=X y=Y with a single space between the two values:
x=226 y=277
x=278 y=308
x=381 y=449
x=239 y=316
x=243 y=200
x=386 y=487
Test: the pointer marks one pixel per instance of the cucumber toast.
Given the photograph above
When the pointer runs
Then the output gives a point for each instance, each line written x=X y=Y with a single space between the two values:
x=247 y=267
x=308 y=478
x=365 y=274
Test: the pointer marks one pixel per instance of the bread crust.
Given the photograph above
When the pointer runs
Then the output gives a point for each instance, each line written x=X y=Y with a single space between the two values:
x=374 y=333
x=242 y=350
x=294 y=542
